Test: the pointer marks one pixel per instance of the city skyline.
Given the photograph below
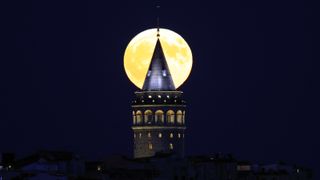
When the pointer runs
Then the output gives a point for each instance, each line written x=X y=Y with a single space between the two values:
x=252 y=92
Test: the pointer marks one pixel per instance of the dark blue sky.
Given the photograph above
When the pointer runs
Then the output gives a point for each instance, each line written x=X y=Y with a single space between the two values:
x=253 y=91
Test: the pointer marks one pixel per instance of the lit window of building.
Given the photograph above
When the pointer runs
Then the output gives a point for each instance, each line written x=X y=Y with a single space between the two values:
x=159 y=117
x=164 y=73
x=140 y=135
x=179 y=135
x=149 y=134
x=150 y=96
x=138 y=117
x=170 y=146
x=179 y=117
x=150 y=146
x=99 y=168
x=159 y=96
x=148 y=116
x=160 y=135
x=134 y=135
x=171 y=135
x=170 y=117
x=168 y=96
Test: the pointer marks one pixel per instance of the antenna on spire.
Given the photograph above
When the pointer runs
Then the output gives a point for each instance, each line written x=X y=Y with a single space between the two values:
x=158 y=20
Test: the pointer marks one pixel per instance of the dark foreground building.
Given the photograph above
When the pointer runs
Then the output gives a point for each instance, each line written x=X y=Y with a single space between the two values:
x=52 y=165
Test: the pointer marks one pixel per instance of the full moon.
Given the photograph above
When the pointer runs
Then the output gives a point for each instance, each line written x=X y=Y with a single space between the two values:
x=138 y=54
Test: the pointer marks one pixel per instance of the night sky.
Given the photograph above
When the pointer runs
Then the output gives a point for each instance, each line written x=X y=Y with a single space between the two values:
x=253 y=90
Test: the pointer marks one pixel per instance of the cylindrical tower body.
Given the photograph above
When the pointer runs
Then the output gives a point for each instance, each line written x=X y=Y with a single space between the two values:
x=158 y=123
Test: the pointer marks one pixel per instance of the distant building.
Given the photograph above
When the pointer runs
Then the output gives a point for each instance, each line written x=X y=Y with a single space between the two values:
x=164 y=166
x=278 y=171
x=218 y=166
x=46 y=165
x=6 y=160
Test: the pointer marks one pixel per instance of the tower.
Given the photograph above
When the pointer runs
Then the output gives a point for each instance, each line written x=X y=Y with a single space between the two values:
x=158 y=111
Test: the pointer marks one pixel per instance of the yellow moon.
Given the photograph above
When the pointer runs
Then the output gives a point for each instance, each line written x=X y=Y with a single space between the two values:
x=138 y=54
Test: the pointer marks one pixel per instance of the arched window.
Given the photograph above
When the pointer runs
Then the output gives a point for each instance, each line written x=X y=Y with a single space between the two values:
x=139 y=117
x=170 y=117
x=159 y=117
x=170 y=146
x=148 y=117
x=134 y=118
x=179 y=117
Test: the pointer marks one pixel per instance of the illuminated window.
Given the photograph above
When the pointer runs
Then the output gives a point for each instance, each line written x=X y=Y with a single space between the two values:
x=168 y=96
x=148 y=116
x=160 y=135
x=149 y=134
x=138 y=117
x=134 y=135
x=159 y=96
x=170 y=146
x=179 y=135
x=142 y=100
x=171 y=135
x=134 y=117
x=152 y=100
x=170 y=117
x=164 y=100
x=159 y=117
x=164 y=73
x=179 y=117
x=150 y=146
x=99 y=168
x=140 y=135
x=150 y=96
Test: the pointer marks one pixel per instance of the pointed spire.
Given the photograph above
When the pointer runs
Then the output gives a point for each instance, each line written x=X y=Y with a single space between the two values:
x=158 y=76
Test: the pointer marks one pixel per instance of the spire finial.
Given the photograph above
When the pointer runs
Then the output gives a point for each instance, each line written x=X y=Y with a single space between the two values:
x=158 y=20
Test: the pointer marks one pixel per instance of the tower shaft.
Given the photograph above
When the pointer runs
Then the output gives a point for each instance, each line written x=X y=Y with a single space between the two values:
x=158 y=123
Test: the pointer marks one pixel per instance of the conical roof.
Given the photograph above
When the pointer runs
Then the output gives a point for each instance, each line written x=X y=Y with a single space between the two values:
x=158 y=77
